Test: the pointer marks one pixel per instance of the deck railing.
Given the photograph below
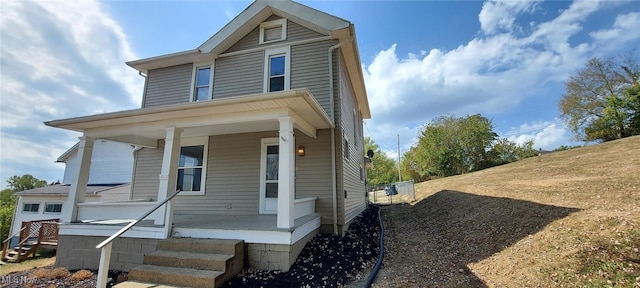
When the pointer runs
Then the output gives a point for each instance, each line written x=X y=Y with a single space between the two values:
x=6 y=242
x=105 y=246
x=38 y=231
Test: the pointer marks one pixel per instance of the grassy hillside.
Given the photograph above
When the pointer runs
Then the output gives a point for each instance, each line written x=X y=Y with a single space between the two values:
x=570 y=218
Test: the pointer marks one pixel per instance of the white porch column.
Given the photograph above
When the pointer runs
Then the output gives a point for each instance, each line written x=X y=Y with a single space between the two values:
x=286 y=173
x=168 y=173
x=78 y=188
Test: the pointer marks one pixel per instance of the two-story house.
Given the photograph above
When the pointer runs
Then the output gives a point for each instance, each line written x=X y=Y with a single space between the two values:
x=259 y=127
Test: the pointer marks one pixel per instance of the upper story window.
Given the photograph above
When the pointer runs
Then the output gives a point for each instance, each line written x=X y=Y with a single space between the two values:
x=271 y=31
x=55 y=208
x=346 y=148
x=31 y=207
x=276 y=69
x=202 y=82
x=192 y=166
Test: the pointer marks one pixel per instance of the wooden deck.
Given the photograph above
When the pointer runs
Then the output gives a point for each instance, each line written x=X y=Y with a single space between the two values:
x=34 y=235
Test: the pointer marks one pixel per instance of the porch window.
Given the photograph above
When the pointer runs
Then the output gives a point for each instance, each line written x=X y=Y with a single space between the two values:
x=277 y=69
x=191 y=167
x=31 y=207
x=202 y=82
x=54 y=208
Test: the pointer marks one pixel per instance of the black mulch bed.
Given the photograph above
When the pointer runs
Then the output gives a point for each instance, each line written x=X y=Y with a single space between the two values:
x=327 y=260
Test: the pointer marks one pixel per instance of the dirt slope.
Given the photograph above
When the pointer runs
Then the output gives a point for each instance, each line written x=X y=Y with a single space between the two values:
x=569 y=218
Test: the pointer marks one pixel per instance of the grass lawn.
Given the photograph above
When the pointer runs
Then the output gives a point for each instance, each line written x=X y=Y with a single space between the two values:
x=26 y=265
x=569 y=218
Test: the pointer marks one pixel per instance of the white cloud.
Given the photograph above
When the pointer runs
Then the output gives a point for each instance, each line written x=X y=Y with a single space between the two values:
x=60 y=59
x=625 y=28
x=547 y=135
x=490 y=74
x=497 y=16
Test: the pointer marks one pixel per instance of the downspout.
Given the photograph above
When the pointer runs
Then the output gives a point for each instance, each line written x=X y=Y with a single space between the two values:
x=333 y=138
x=135 y=150
x=144 y=91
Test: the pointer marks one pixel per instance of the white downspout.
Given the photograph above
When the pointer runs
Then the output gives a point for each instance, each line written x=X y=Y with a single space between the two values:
x=135 y=150
x=333 y=138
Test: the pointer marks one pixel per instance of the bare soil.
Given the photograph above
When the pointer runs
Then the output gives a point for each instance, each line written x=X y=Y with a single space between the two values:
x=565 y=219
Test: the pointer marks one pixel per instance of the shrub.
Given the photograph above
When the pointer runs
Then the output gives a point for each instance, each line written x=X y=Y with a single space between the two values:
x=58 y=273
x=81 y=275
x=40 y=273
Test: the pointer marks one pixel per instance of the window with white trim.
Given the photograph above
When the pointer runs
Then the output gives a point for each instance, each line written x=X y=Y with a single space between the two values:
x=192 y=166
x=53 y=208
x=272 y=31
x=355 y=127
x=346 y=148
x=31 y=207
x=202 y=82
x=276 y=69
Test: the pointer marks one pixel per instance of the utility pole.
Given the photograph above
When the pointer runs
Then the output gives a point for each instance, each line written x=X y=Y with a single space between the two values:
x=399 y=175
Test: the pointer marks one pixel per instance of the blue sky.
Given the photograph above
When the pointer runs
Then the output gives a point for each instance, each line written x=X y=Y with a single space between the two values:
x=504 y=59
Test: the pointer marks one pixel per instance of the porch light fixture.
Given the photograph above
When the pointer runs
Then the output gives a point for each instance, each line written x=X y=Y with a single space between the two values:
x=301 y=151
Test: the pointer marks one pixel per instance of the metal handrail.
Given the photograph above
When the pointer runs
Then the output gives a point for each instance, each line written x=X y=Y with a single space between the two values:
x=105 y=246
x=134 y=222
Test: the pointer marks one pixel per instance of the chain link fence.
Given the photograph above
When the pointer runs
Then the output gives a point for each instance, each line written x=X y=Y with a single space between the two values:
x=383 y=194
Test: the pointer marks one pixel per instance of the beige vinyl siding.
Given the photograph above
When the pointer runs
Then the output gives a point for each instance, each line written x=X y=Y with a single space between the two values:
x=233 y=175
x=166 y=86
x=355 y=201
x=295 y=32
x=238 y=75
x=310 y=69
x=313 y=172
x=146 y=178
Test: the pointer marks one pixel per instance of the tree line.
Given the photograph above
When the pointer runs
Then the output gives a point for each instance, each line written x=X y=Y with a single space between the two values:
x=447 y=146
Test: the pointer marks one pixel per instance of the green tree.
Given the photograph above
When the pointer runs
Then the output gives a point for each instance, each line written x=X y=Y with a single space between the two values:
x=384 y=169
x=598 y=100
x=8 y=199
x=504 y=151
x=632 y=95
x=449 y=145
x=25 y=182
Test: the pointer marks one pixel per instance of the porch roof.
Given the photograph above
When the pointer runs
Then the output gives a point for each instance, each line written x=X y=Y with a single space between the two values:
x=239 y=114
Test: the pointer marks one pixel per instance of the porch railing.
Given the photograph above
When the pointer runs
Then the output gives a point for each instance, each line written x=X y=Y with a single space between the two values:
x=304 y=206
x=105 y=246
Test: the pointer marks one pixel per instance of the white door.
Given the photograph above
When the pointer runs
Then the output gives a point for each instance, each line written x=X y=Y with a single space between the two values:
x=269 y=176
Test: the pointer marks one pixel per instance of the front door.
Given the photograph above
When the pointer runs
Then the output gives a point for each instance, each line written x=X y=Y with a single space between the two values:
x=269 y=176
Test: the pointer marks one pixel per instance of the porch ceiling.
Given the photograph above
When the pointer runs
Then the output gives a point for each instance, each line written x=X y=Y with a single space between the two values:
x=240 y=114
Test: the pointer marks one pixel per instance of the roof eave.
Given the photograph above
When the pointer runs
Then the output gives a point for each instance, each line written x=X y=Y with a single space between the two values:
x=146 y=64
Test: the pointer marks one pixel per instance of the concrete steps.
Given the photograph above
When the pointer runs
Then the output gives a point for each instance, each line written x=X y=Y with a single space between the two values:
x=190 y=262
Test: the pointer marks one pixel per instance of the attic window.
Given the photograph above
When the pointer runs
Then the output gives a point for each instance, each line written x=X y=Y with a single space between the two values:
x=271 y=31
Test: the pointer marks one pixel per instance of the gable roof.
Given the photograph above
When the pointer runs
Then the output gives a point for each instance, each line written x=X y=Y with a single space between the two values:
x=251 y=17
x=259 y=11
x=68 y=153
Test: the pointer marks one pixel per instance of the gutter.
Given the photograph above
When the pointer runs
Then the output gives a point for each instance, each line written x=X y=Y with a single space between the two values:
x=333 y=138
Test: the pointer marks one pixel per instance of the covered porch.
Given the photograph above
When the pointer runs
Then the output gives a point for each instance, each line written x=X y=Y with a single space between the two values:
x=281 y=112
